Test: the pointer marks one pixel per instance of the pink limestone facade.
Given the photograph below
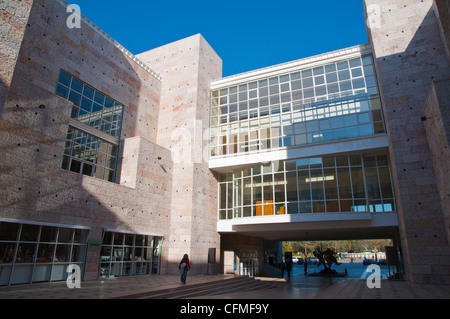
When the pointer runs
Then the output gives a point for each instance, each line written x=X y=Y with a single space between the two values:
x=105 y=155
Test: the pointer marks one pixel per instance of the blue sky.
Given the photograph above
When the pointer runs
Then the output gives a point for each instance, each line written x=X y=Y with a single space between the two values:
x=246 y=34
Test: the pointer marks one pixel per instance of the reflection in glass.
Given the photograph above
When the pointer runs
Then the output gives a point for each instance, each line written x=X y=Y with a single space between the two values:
x=45 y=253
x=344 y=97
x=129 y=254
x=268 y=187
x=78 y=253
x=25 y=253
x=247 y=196
x=316 y=179
x=65 y=235
x=279 y=183
x=48 y=234
x=329 y=184
x=304 y=185
x=62 y=253
x=373 y=187
x=7 y=252
x=357 y=182
x=291 y=186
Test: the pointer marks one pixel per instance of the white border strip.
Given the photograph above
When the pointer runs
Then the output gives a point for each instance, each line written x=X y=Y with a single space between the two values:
x=31 y=222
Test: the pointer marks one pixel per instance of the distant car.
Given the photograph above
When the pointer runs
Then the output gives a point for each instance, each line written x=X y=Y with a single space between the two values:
x=367 y=262
x=294 y=259
x=300 y=261
x=382 y=262
x=313 y=261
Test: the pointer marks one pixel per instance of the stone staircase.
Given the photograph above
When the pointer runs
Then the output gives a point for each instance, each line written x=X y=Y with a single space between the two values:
x=218 y=287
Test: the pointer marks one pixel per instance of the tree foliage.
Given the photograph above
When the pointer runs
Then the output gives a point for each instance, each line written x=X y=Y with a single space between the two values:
x=306 y=248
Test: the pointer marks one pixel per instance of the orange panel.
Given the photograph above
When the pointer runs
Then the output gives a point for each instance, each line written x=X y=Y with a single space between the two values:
x=259 y=209
x=265 y=208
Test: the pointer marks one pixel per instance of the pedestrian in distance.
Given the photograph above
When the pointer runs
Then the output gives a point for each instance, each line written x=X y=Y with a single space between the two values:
x=289 y=268
x=184 y=267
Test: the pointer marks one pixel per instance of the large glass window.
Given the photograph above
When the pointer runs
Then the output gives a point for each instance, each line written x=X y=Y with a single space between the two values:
x=39 y=253
x=88 y=155
x=329 y=184
x=331 y=102
x=86 y=152
x=91 y=106
x=127 y=254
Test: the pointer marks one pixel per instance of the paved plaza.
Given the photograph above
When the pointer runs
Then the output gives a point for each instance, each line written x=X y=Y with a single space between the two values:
x=300 y=286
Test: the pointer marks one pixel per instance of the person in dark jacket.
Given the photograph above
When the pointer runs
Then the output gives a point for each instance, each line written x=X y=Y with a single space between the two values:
x=288 y=268
x=184 y=266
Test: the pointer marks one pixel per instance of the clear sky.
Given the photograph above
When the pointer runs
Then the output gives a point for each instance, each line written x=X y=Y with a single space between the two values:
x=246 y=34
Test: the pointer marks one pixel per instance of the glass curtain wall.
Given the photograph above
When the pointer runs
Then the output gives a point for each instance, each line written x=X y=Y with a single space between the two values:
x=124 y=254
x=329 y=184
x=331 y=102
x=37 y=254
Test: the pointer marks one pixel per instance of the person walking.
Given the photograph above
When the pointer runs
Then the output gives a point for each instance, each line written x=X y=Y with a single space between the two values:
x=184 y=266
x=288 y=269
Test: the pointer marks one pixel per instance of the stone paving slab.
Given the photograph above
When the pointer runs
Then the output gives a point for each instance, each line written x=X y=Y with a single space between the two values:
x=104 y=289
x=117 y=287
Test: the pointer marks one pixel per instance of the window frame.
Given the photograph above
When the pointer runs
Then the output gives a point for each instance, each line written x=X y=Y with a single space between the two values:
x=111 y=117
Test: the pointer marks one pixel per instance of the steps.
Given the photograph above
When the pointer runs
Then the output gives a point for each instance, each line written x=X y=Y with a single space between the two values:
x=218 y=287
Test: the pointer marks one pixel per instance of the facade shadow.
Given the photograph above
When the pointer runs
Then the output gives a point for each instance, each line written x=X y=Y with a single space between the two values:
x=412 y=62
x=34 y=127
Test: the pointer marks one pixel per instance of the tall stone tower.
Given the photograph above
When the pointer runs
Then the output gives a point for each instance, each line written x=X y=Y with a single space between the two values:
x=407 y=40
x=187 y=68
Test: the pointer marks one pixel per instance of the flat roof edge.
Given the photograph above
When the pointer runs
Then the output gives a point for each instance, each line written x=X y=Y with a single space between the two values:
x=113 y=42
x=292 y=66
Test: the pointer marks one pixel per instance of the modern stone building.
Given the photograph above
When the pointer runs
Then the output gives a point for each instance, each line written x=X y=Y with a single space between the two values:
x=123 y=163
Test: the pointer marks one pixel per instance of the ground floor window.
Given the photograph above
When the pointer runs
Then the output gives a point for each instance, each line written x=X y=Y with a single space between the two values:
x=129 y=254
x=31 y=253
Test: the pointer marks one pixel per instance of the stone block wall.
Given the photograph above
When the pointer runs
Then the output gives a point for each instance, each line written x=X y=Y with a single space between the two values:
x=187 y=66
x=437 y=125
x=13 y=21
x=442 y=12
x=33 y=187
x=409 y=56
